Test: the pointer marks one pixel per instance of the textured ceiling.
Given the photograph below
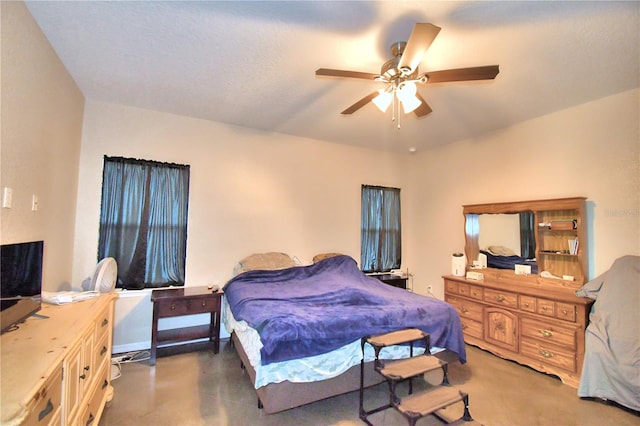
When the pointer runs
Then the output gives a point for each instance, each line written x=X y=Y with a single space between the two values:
x=252 y=64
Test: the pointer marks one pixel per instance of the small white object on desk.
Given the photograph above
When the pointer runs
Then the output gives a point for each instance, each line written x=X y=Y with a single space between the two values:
x=472 y=275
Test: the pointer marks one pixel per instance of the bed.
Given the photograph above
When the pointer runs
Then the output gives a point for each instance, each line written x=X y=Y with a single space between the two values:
x=507 y=259
x=611 y=366
x=297 y=329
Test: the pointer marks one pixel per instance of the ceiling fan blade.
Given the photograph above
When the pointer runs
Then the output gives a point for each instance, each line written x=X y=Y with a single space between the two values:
x=463 y=74
x=346 y=74
x=362 y=102
x=424 y=107
x=421 y=38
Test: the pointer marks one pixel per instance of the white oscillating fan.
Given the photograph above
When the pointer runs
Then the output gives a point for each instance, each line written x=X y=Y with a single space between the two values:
x=105 y=276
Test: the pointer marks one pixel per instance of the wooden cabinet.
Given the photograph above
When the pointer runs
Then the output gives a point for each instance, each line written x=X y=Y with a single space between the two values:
x=535 y=324
x=56 y=366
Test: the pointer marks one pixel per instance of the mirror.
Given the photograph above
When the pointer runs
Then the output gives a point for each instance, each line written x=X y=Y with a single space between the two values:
x=507 y=239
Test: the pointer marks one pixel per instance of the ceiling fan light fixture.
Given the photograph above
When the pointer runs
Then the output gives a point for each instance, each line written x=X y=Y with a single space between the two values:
x=383 y=100
x=409 y=104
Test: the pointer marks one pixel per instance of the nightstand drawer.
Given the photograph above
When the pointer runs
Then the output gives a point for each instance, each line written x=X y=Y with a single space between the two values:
x=170 y=308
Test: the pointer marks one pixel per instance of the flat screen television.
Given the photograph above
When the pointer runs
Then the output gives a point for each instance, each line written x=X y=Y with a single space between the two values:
x=20 y=282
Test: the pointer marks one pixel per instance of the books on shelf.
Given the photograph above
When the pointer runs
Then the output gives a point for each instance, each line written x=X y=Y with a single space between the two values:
x=573 y=246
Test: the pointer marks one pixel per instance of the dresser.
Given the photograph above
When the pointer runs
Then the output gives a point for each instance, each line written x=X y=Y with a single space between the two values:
x=56 y=366
x=535 y=321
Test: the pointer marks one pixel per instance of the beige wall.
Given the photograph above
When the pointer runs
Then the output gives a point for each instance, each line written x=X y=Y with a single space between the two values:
x=250 y=191
x=40 y=143
x=592 y=150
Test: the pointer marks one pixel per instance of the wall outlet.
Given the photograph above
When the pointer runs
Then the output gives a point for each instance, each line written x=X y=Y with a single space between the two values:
x=429 y=289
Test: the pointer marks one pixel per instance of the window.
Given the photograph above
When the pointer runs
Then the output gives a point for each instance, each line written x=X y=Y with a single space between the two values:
x=380 y=243
x=143 y=221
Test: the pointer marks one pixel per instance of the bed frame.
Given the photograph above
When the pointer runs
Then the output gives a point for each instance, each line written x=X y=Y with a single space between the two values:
x=276 y=397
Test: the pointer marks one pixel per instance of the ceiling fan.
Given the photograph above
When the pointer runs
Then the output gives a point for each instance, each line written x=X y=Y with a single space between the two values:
x=401 y=74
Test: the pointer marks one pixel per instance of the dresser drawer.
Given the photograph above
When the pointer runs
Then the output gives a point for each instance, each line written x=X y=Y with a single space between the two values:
x=548 y=332
x=471 y=327
x=503 y=298
x=45 y=405
x=566 y=311
x=102 y=352
x=527 y=303
x=546 y=308
x=169 y=308
x=451 y=286
x=463 y=289
x=89 y=415
x=548 y=354
x=475 y=292
x=103 y=323
x=465 y=308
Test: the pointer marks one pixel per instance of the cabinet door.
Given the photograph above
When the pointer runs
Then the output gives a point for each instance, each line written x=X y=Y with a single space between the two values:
x=501 y=328
x=72 y=383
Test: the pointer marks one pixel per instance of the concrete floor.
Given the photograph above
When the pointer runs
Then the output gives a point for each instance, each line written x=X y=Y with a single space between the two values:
x=200 y=388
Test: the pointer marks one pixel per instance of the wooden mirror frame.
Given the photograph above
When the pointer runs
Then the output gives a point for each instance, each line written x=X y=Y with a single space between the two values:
x=542 y=209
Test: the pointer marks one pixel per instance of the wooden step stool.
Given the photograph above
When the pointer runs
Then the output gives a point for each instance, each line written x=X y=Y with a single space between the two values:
x=413 y=407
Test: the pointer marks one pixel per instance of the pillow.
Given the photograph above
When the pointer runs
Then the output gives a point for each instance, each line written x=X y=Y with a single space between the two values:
x=501 y=251
x=318 y=257
x=264 y=261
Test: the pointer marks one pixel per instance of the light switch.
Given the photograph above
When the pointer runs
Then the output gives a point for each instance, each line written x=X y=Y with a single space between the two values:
x=7 y=197
x=34 y=203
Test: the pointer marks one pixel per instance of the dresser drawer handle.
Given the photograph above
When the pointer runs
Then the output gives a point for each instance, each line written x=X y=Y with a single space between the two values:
x=526 y=304
x=173 y=307
x=105 y=384
x=45 y=412
x=546 y=333
x=544 y=308
x=90 y=420
x=105 y=322
x=83 y=376
x=464 y=310
x=565 y=312
x=500 y=298
x=464 y=326
x=546 y=354
x=204 y=303
x=86 y=368
x=103 y=350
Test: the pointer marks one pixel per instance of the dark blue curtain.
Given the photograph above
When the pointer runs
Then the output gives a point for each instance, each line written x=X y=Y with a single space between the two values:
x=143 y=221
x=527 y=235
x=380 y=242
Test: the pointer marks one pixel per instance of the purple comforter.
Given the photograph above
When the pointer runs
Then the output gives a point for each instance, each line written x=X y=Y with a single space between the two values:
x=310 y=310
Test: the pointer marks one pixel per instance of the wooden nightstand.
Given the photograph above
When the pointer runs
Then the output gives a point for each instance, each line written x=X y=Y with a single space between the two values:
x=175 y=302
x=393 y=280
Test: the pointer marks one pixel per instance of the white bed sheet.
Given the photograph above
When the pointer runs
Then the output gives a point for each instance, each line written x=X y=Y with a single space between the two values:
x=308 y=369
